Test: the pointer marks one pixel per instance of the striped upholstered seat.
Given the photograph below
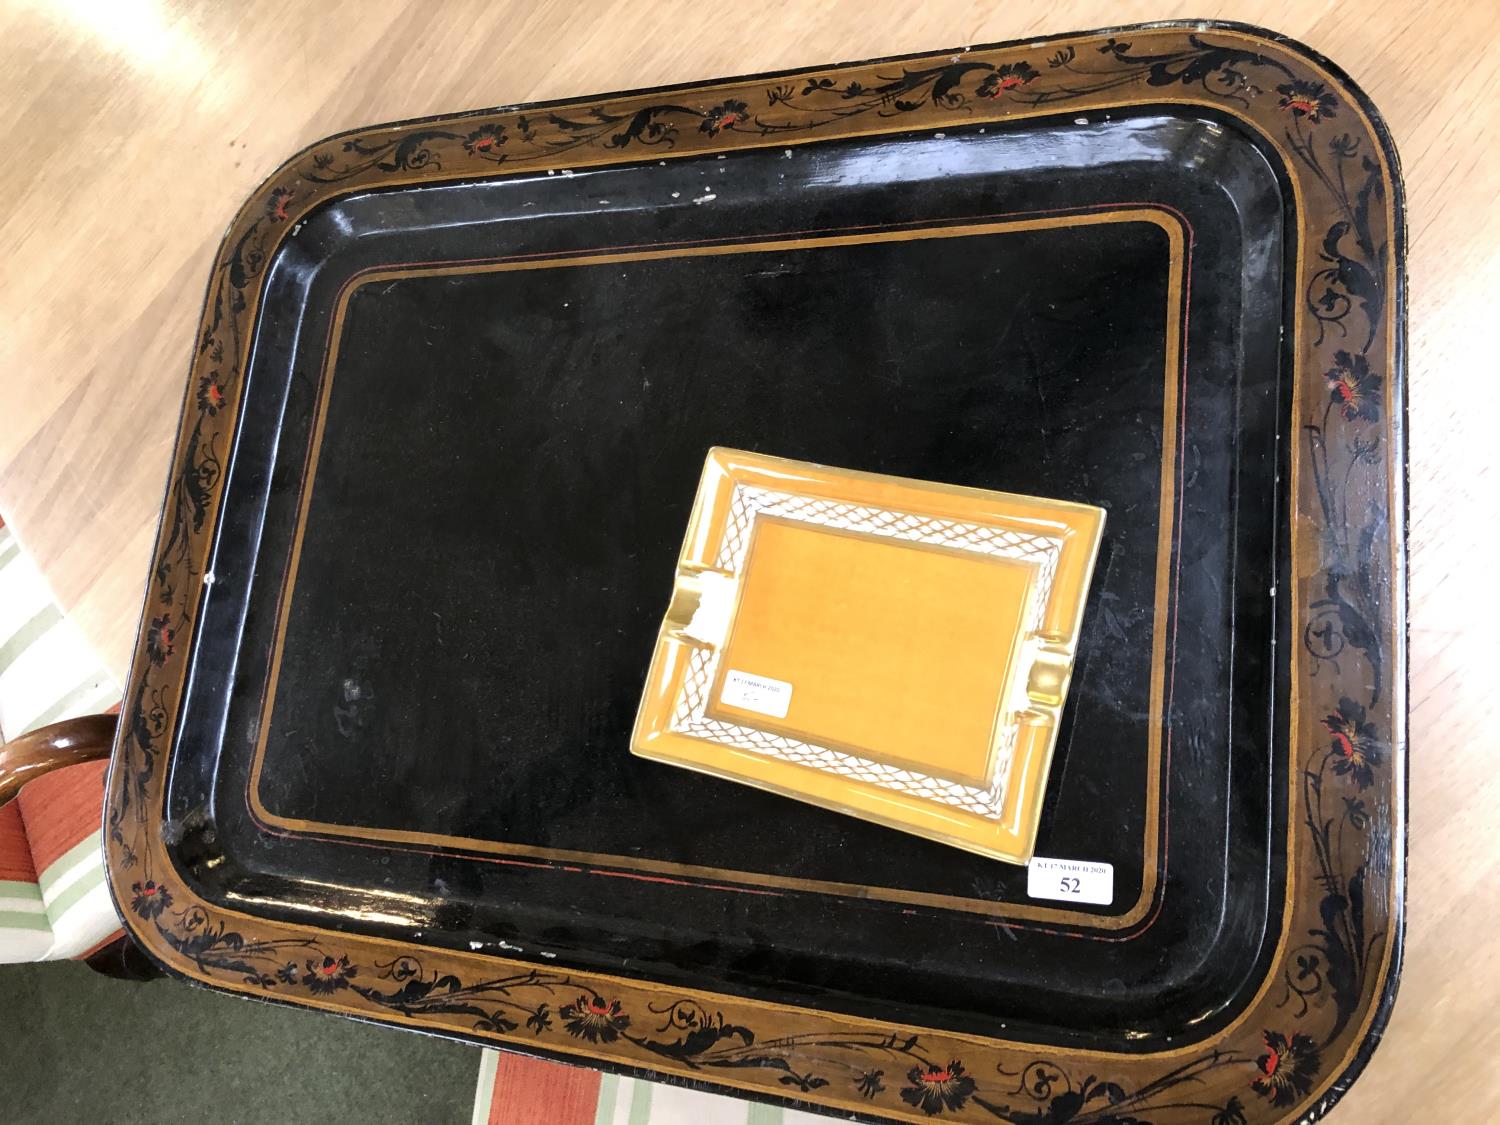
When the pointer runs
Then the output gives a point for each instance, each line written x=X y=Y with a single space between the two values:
x=516 y=1090
x=53 y=900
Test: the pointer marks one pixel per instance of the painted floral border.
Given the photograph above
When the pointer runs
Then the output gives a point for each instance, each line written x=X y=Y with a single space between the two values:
x=1291 y=1051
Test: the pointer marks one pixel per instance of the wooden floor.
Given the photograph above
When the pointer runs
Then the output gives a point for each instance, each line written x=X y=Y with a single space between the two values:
x=133 y=129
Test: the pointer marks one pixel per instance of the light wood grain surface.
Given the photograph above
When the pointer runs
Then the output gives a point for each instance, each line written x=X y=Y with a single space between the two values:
x=132 y=130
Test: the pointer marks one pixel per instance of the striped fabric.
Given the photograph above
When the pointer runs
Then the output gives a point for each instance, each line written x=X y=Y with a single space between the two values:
x=53 y=898
x=516 y=1090
x=25 y=933
x=61 y=813
x=47 y=670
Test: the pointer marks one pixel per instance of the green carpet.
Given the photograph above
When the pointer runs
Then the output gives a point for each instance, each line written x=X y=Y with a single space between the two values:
x=79 y=1047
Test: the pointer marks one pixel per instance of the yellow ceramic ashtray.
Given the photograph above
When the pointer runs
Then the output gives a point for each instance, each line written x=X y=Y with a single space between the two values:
x=893 y=649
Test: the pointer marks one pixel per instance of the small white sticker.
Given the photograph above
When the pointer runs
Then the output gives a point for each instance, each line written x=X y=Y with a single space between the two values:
x=1071 y=880
x=760 y=694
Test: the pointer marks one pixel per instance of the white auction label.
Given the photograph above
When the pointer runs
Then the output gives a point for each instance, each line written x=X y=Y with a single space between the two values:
x=1071 y=880
x=760 y=694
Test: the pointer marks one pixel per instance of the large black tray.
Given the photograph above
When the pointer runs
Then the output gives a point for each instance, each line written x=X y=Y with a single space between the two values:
x=455 y=382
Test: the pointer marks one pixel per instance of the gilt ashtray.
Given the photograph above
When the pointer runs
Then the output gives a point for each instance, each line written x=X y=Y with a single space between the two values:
x=895 y=649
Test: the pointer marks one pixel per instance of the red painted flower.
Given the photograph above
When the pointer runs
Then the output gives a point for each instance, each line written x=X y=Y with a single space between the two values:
x=725 y=116
x=933 y=1089
x=328 y=975
x=277 y=204
x=1309 y=100
x=159 y=638
x=1011 y=76
x=149 y=899
x=1355 y=743
x=1354 y=388
x=1287 y=1069
x=485 y=140
x=210 y=394
x=594 y=1018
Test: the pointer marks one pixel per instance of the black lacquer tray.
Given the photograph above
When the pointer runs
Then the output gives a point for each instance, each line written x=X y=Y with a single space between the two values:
x=454 y=384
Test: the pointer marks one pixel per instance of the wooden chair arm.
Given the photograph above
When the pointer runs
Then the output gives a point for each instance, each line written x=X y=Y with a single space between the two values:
x=67 y=743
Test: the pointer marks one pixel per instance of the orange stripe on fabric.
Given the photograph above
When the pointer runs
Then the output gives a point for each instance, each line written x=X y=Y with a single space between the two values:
x=539 y=1092
x=87 y=953
x=15 y=852
x=61 y=808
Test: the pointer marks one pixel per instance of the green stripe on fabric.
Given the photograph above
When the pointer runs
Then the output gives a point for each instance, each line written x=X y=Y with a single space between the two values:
x=609 y=1087
x=65 y=901
x=90 y=844
x=640 y=1104
x=15 y=920
x=9 y=549
x=28 y=634
x=19 y=888
x=604 y=1109
x=90 y=686
x=761 y=1114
